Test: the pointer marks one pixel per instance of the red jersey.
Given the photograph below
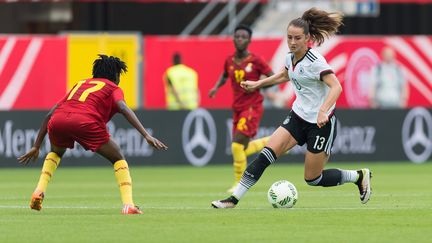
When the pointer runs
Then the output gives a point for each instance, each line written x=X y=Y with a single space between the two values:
x=95 y=97
x=251 y=68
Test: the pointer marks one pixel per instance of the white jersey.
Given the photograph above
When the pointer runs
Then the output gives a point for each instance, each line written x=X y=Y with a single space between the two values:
x=310 y=90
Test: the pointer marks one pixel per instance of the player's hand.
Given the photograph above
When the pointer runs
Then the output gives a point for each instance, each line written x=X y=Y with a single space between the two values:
x=322 y=119
x=212 y=92
x=249 y=86
x=32 y=155
x=155 y=143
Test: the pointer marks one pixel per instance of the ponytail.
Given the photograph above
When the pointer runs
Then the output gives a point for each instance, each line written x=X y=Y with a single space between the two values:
x=319 y=24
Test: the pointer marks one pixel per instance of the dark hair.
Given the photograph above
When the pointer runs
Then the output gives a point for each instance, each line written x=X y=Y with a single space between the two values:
x=108 y=67
x=244 y=27
x=176 y=58
x=319 y=24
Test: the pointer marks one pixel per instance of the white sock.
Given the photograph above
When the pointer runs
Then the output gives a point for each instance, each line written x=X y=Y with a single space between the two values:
x=239 y=191
x=349 y=176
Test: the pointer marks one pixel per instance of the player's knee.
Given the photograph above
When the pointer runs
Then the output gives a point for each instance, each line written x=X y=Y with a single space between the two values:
x=114 y=157
x=315 y=181
x=59 y=151
x=120 y=157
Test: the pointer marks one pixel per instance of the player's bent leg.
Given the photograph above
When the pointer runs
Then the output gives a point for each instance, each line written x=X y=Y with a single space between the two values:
x=112 y=152
x=238 y=146
x=314 y=164
x=314 y=173
x=51 y=162
x=256 y=145
x=328 y=178
x=124 y=181
x=281 y=140
x=239 y=161
x=316 y=176
x=250 y=177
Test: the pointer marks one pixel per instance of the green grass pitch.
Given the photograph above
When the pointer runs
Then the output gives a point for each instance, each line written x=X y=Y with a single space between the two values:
x=83 y=205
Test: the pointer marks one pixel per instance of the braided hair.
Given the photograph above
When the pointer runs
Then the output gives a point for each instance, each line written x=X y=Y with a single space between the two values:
x=108 y=67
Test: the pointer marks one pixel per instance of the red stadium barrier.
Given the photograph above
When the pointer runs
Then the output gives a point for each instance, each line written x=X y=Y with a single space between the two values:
x=32 y=71
x=351 y=58
x=205 y=55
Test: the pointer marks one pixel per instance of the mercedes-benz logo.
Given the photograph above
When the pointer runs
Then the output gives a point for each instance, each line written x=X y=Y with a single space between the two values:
x=417 y=135
x=199 y=137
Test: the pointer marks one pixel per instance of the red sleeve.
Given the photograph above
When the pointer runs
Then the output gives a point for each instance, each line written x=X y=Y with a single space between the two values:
x=118 y=95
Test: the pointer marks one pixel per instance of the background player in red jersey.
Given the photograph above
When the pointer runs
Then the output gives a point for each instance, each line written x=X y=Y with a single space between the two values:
x=247 y=106
x=81 y=116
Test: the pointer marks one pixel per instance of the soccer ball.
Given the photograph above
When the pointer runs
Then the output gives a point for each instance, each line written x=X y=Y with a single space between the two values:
x=282 y=194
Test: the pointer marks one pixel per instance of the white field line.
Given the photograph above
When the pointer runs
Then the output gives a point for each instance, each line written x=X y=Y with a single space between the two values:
x=210 y=208
x=220 y=194
x=216 y=195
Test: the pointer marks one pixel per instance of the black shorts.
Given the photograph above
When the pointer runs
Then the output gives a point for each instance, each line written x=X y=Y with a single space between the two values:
x=317 y=139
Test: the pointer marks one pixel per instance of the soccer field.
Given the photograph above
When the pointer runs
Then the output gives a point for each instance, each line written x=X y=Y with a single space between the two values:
x=83 y=205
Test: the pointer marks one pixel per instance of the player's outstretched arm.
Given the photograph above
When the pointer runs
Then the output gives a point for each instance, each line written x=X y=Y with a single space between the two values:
x=33 y=153
x=134 y=121
x=277 y=78
x=219 y=83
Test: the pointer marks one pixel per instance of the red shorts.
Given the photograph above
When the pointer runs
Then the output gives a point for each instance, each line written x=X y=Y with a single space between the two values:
x=66 y=128
x=247 y=121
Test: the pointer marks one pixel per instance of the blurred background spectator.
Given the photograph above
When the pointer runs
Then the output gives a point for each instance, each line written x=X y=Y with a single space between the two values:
x=181 y=86
x=389 y=88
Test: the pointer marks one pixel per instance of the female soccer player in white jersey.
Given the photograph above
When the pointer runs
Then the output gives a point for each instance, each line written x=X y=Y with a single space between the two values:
x=312 y=120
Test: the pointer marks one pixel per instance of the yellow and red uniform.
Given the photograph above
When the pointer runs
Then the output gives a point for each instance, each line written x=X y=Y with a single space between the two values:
x=247 y=106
